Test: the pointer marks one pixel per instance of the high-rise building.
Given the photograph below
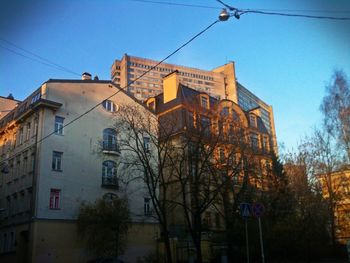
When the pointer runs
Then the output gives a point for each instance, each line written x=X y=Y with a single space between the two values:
x=220 y=83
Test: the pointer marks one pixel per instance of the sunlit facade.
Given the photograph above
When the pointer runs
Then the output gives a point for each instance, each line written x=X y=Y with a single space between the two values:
x=48 y=170
x=220 y=83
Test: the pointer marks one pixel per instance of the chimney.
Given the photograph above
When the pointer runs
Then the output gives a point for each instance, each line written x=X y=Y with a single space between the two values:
x=86 y=76
x=170 y=86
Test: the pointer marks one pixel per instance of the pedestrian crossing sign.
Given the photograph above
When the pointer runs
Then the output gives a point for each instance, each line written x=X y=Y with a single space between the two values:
x=245 y=210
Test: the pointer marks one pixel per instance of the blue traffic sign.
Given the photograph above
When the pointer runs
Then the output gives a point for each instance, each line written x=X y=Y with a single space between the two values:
x=245 y=210
x=258 y=209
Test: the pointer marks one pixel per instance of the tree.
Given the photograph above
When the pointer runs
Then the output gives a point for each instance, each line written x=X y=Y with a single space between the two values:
x=303 y=206
x=336 y=110
x=324 y=159
x=144 y=155
x=105 y=225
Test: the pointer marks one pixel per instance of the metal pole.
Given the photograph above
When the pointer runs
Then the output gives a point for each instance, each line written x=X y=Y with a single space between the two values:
x=261 y=242
x=246 y=239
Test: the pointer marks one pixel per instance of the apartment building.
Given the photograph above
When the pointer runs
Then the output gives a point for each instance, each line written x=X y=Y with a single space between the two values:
x=338 y=185
x=48 y=170
x=220 y=83
x=7 y=104
x=209 y=134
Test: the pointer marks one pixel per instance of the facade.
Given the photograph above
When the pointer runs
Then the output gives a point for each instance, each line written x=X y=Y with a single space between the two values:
x=231 y=137
x=220 y=83
x=48 y=170
x=7 y=104
x=339 y=184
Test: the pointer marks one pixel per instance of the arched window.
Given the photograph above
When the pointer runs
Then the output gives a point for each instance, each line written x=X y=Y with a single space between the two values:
x=109 y=105
x=109 y=174
x=110 y=140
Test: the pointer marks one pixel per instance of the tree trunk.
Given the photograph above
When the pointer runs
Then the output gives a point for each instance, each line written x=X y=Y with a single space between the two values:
x=167 y=245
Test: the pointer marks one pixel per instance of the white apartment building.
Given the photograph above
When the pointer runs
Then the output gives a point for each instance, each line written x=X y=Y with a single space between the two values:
x=48 y=171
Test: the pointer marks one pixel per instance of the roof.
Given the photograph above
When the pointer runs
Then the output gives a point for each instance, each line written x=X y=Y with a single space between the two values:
x=189 y=96
x=31 y=102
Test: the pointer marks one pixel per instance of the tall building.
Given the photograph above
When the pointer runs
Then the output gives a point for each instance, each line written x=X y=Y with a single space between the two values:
x=48 y=171
x=208 y=132
x=220 y=83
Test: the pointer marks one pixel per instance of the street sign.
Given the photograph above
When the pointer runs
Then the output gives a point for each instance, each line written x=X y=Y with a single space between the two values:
x=245 y=210
x=258 y=209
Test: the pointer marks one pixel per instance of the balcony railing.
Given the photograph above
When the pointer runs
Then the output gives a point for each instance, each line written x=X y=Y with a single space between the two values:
x=110 y=147
x=110 y=182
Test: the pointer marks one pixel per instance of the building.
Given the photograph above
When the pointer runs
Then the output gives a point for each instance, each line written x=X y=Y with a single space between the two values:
x=7 y=104
x=220 y=83
x=338 y=184
x=48 y=170
x=215 y=139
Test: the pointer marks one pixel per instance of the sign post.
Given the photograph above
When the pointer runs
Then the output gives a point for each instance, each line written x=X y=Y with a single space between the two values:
x=245 y=210
x=258 y=210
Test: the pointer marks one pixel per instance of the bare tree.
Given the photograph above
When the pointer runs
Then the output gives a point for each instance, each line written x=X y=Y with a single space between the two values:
x=336 y=110
x=143 y=154
x=323 y=158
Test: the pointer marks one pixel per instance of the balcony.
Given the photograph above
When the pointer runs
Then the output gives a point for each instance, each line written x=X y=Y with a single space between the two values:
x=110 y=182
x=110 y=148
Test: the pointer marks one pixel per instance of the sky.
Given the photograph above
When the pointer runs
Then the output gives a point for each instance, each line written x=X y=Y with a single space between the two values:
x=285 y=61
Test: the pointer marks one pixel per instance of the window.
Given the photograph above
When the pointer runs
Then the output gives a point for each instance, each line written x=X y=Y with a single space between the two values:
x=59 y=125
x=205 y=124
x=25 y=164
x=57 y=161
x=205 y=102
x=207 y=219
x=109 y=174
x=191 y=120
x=21 y=136
x=222 y=155
x=28 y=131
x=32 y=163
x=55 y=198
x=146 y=144
x=109 y=105
x=110 y=140
x=35 y=98
x=217 y=220
x=193 y=169
x=252 y=120
x=35 y=126
x=147 y=206
x=254 y=140
x=225 y=111
x=265 y=143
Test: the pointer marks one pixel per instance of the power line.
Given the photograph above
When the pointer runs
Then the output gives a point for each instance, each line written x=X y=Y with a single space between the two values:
x=37 y=58
x=176 y=4
x=257 y=9
x=241 y=12
x=238 y=12
x=131 y=82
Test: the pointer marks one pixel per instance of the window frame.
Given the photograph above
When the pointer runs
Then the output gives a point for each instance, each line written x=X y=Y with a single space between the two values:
x=56 y=164
x=55 y=199
x=109 y=174
x=109 y=106
x=147 y=206
x=59 y=125
x=110 y=140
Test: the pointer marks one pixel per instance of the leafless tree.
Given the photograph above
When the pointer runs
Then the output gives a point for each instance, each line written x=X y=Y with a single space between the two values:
x=336 y=110
x=323 y=159
x=144 y=154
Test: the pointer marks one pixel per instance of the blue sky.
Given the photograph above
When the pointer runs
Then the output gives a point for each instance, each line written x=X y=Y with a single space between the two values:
x=285 y=61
